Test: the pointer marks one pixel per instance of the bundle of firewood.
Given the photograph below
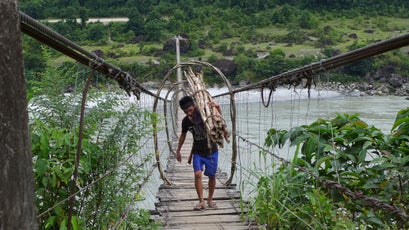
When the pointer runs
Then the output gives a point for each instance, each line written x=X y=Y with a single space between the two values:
x=215 y=124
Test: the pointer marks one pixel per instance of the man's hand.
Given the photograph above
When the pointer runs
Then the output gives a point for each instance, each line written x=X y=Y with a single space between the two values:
x=216 y=105
x=178 y=156
x=189 y=160
x=180 y=143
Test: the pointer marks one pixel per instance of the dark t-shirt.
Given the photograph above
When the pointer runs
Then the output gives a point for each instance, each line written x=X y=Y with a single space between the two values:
x=197 y=128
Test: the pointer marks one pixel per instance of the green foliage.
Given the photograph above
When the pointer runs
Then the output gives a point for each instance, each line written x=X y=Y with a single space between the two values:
x=381 y=23
x=344 y=149
x=97 y=32
x=283 y=15
x=216 y=23
x=361 y=67
x=295 y=36
x=288 y=200
x=308 y=21
x=111 y=179
x=34 y=61
x=195 y=51
x=154 y=29
x=107 y=8
x=343 y=78
x=328 y=36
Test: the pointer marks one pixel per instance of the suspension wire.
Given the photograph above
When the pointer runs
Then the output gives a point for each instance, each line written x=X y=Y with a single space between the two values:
x=354 y=195
x=266 y=104
x=336 y=165
x=247 y=130
x=79 y=146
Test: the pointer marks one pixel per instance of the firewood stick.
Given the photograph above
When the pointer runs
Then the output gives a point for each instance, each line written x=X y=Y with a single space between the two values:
x=211 y=116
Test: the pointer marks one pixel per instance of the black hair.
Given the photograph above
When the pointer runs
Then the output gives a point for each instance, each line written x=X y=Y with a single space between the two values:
x=186 y=102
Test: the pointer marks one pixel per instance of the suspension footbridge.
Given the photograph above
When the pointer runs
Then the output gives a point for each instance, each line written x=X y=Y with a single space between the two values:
x=175 y=194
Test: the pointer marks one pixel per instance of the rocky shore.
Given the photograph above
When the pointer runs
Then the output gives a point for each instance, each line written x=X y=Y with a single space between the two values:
x=354 y=89
x=366 y=89
x=378 y=84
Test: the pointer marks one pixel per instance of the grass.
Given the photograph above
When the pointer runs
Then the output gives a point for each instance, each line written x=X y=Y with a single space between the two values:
x=382 y=28
x=139 y=59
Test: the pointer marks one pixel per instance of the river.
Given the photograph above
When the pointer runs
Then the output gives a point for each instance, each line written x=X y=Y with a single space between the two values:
x=288 y=109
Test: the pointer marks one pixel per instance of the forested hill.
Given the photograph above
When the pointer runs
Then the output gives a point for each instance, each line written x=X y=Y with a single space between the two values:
x=42 y=9
x=287 y=33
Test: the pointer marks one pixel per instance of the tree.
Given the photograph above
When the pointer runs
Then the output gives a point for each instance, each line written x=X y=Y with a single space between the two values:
x=136 y=22
x=17 y=209
x=155 y=29
x=33 y=8
x=307 y=20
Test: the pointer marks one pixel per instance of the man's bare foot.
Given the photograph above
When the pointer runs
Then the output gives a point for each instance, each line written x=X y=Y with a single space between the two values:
x=199 y=207
x=212 y=205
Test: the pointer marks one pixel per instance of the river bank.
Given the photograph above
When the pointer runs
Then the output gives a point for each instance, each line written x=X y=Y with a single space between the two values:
x=354 y=89
x=366 y=89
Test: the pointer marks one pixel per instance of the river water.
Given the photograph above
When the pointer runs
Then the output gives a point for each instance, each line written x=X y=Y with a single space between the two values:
x=293 y=108
x=379 y=111
x=290 y=108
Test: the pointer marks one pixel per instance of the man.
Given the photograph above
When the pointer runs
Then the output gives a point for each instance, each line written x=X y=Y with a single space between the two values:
x=205 y=154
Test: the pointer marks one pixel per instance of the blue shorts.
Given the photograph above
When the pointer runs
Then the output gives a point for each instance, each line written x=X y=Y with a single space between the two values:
x=210 y=163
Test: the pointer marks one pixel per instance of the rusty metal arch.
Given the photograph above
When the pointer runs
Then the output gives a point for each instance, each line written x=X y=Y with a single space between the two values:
x=232 y=115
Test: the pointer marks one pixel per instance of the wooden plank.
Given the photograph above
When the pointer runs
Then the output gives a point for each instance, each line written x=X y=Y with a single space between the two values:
x=192 y=186
x=187 y=194
x=176 y=206
x=204 y=219
x=175 y=202
x=204 y=213
x=208 y=226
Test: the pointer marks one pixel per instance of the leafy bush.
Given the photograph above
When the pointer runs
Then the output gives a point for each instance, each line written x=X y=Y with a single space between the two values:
x=345 y=150
x=108 y=181
x=308 y=21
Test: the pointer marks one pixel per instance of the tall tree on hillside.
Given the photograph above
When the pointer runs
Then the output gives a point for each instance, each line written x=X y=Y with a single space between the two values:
x=136 y=22
x=17 y=210
x=34 y=8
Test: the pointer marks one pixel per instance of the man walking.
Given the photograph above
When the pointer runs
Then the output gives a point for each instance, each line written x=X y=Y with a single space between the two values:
x=205 y=153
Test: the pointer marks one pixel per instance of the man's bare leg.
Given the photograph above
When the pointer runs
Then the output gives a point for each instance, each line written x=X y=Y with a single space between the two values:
x=199 y=187
x=212 y=186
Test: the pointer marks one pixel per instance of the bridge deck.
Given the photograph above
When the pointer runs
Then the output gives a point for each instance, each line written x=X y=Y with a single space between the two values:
x=175 y=202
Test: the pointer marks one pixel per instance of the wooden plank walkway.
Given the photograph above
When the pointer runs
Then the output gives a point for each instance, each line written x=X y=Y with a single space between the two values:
x=175 y=202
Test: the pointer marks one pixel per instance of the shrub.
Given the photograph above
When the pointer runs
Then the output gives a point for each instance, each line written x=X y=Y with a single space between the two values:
x=345 y=150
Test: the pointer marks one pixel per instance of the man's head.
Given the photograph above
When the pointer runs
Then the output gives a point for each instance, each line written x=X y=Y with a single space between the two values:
x=187 y=104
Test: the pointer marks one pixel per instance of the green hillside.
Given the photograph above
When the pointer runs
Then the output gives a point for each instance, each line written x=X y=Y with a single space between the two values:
x=292 y=33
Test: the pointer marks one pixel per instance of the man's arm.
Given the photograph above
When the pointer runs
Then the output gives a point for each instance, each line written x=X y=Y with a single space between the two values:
x=182 y=138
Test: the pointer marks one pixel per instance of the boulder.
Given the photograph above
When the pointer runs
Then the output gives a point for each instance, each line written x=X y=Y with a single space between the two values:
x=384 y=72
x=99 y=53
x=139 y=38
x=202 y=44
x=184 y=44
x=395 y=80
x=228 y=52
x=226 y=66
